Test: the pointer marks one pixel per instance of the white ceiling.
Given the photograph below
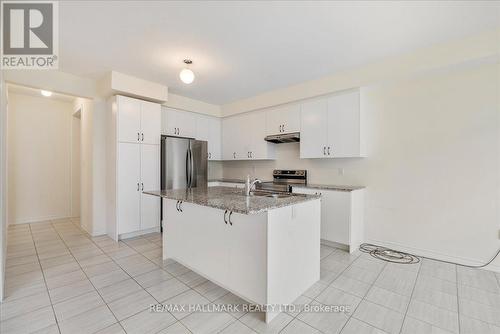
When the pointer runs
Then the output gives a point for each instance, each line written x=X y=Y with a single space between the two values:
x=241 y=49
x=17 y=89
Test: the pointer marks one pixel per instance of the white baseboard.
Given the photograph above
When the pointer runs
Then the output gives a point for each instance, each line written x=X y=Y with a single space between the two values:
x=39 y=220
x=138 y=233
x=434 y=255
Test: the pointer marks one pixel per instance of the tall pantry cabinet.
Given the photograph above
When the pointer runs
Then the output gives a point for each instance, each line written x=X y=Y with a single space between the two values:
x=133 y=165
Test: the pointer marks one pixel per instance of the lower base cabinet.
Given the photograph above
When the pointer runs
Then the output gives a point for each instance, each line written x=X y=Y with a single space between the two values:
x=342 y=215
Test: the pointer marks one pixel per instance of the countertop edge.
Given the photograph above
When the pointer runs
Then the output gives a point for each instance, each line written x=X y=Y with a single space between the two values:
x=236 y=210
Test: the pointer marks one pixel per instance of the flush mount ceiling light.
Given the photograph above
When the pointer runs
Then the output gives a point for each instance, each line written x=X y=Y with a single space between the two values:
x=186 y=75
x=46 y=93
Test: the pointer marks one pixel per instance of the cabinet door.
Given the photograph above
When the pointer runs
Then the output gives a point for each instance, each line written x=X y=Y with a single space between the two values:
x=256 y=131
x=129 y=119
x=150 y=123
x=186 y=124
x=283 y=119
x=209 y=129
x=202 y=128
x=336 y=216
x=197 y=236
x=128 y=187
x=344 y=125
x=230 y=138
x=150 y=180
x=214 y=139
x=244 y=126
x=313 y=132
x=247 y=237
x=274 y=121
x=292 y=118
x=169 y=121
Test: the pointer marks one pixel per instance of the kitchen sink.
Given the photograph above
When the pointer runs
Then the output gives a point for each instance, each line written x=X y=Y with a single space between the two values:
x=269 y=194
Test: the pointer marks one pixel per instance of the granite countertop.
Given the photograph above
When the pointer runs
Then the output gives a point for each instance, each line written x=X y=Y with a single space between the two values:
x=308 y=185
x=231 y=199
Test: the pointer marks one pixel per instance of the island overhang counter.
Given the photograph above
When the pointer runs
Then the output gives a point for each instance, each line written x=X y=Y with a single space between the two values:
x=265 y=250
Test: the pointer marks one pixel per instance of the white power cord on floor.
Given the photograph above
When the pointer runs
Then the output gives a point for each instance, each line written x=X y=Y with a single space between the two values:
x=391 y=255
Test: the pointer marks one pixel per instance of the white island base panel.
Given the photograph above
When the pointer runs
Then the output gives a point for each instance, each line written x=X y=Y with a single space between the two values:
x=269 y=258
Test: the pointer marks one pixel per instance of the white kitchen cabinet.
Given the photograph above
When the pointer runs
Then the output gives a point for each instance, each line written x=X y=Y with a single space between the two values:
x=341 y=215
x=314 y=129
x=283 y=119
x=150 y=123
x=344 y=125
x=209 y=129
x=243 y=137
x=331 y=127
x=178 y=123
x=132 y=166
x=129 y=195
x=270 y=257
x=138 y=121
x=150 y=179
x=129 y=120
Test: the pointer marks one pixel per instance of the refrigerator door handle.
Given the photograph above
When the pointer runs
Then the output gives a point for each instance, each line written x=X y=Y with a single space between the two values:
x=192 y=168
x=188 y=172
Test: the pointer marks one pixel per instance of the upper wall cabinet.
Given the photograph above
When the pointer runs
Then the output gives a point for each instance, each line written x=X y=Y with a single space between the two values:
x=243 y=137
x=209 y=128
x=178 y=123
x=283 y=119
x=138 y=121
x=331 y=127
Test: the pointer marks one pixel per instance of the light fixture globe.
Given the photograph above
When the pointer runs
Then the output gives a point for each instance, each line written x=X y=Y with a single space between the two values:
x=186 y=75
x=46 y=93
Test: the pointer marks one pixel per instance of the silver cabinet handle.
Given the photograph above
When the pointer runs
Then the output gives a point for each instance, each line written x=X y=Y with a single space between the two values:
x=142 y=186
x=137 y=186
x=225 y=213
x=209 y=155
x=324 y=150
x=230 y=214
x=177 y=206
x=138 y=136
x=180 y=208
x=251 y=154
x=283 y=127
x=234 y=155
x=328 y=150
x=142 y=136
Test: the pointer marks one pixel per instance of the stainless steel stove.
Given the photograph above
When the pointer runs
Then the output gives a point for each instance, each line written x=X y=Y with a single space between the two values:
x=283 y=180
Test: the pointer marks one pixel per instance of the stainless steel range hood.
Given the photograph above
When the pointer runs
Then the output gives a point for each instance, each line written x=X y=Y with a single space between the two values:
x=293 y=137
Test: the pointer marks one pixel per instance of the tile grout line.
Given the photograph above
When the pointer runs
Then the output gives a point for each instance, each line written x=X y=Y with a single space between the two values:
x=88 y=278
x=411 y=297
x=158 y=267
x=362 y=299
x=458 y=299
x=44 y=279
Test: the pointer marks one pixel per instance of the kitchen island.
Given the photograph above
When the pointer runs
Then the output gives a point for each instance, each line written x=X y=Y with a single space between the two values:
x=263 y=248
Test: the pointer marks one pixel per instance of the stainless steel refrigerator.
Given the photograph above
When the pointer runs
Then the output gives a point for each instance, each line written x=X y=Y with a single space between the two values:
x=183 y=163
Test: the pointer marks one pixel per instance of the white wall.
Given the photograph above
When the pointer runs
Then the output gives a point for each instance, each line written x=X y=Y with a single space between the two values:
x=3 y=183
x=39 y=158
x=75 y=166
x=433 y=171
x=93 y=165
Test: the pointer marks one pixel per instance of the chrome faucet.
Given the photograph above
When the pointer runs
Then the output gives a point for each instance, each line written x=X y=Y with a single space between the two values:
x=249 y=185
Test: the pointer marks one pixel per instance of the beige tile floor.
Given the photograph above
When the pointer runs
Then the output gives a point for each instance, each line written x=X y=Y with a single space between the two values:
x=59 y=280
